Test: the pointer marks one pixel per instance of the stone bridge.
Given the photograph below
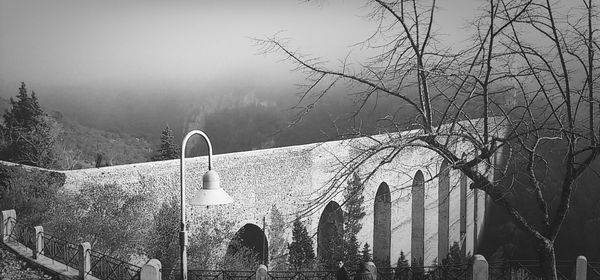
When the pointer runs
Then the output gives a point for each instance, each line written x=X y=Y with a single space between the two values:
x=415 y=204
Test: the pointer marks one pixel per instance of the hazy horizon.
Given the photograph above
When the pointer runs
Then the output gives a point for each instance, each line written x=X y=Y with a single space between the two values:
x=56 y=46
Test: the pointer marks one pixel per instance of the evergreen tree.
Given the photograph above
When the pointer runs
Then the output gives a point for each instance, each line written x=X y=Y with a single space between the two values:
x=353 y=214
x=301 y=254
x=455 y=262
x=366 y=253
x=402 y=268
x=454 y=257
x=24 y=112
x=167 y=149
x=29 y=135
x=335 y=249
x=402 y=261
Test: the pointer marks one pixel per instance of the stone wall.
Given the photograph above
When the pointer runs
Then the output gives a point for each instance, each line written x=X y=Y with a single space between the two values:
x=289 y=178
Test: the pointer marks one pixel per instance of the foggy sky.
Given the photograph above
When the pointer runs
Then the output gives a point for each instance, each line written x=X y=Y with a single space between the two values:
x=146 y=44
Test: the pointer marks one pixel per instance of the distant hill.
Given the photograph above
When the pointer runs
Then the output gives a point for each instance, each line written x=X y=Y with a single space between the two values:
x=115 y=148
x=79 y=146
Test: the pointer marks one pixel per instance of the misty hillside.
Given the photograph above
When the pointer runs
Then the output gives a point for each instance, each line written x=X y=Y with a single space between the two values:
x=115 y=148
x=236 y=117
x=144 y=111
x=81 y=145
x=126 y=127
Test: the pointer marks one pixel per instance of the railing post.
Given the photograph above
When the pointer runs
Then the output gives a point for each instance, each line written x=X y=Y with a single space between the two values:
x=261 y=272
x=581 y=268
x=480 y=268
x=372 y=269
x=151 y=270
x=38 y=241
x=5 y=226
x=84 y=260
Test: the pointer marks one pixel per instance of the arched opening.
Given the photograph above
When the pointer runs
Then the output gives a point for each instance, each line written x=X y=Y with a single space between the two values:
x=417 y=244
x=443 y=210
x=475 y=219
x=247 y=249
x=382 y=226
x=463 y=213
x=330 y=234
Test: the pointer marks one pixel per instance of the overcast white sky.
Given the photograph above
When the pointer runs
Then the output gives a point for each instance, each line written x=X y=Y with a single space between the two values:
x=186 y=43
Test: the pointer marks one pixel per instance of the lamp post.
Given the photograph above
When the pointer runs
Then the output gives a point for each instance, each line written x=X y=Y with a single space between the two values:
x=210 y=194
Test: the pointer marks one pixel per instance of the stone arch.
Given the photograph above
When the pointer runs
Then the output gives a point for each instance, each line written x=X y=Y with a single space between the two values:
x=247 y=249
x=329 y=233
x=475 y=218
x=443 y=210
x=463 y=213
x=417 y=244
x=382 y=226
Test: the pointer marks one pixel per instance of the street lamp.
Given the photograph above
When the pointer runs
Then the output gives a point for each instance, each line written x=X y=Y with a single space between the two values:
x=210 y=194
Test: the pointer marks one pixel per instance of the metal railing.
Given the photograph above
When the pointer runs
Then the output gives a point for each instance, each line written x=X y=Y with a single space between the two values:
x=21 y=233
x=200 y=274
x=57 y=249
x=593 y=271
x=303 y=275
x=437 y=272
x=449 y=272
x=527 y=270
x=61 y=250
x=105 y=267
x=223 y=274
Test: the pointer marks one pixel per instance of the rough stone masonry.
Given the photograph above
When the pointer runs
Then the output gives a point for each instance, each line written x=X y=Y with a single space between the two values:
x=417 y=202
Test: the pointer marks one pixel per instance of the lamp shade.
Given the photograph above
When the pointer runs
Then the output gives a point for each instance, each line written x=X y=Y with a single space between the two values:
x=211 y=192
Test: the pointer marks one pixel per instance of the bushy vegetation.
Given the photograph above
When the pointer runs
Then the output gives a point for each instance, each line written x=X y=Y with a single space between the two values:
x=113 y=220
x=162 y=241
x=29 y=191
x=240 y=257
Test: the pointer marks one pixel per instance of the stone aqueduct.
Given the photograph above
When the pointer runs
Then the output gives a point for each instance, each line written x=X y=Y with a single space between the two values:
x=414 y=204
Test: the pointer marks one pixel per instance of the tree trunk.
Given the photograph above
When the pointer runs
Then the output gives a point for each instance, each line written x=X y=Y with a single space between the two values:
x=547 y=259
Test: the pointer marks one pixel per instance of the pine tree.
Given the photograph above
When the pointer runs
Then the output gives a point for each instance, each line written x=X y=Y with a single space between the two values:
x=354 y=212
x=167 y=149
x=455 y=262
x=301 y=254
x=336 y=249
x=402 y=268
x=25 y=112
x=29 y=135
x=366 y=253
x=402 y=261
x=454 y=257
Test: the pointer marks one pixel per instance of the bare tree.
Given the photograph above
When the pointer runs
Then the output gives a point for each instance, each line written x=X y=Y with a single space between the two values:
x=524 y=87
